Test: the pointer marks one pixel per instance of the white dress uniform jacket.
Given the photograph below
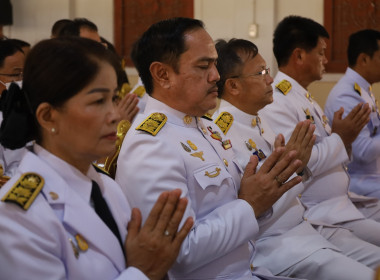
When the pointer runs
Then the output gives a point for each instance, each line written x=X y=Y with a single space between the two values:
x=326 y=194
x=285 y=238
x=185 y=156
x=364 y=170
x=40 y=243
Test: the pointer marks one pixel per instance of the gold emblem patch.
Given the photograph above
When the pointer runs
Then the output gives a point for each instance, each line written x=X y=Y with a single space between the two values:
x=224 y=121
x=358 y=89
x=25 y=190
x=153 y=123
x=139 y=91
x=284 y=86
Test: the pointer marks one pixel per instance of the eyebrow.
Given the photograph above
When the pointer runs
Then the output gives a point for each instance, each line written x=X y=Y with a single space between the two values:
x=207 y=59
x=105 y=90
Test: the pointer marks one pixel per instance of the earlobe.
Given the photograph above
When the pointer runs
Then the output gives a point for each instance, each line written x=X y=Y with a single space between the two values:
x=46 y=117
x=160 y=74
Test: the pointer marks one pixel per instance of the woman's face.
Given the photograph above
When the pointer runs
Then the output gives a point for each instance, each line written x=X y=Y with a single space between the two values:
x=85 y=126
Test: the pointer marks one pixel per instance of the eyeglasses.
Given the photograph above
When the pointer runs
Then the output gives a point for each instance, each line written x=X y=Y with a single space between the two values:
x=262 y=73
x=15 y=75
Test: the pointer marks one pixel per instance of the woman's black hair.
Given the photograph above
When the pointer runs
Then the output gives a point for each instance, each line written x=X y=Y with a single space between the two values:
x=55 y=70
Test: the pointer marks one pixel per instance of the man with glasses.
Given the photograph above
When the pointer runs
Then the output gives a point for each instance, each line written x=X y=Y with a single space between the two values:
x=12 y=60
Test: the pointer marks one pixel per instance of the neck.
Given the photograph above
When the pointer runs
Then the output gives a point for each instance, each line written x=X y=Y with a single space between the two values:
x=362 y=72
x=250 y=109
x=296 y=74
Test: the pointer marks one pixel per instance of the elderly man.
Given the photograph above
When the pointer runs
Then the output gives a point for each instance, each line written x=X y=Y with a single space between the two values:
x=173 y=147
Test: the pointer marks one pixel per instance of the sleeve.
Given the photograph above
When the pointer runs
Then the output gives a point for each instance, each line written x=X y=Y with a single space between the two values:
x=327 y=152
x=365 y=148
x=147 y=167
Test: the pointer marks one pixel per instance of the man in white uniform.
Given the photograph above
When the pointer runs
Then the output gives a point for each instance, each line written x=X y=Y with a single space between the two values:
x=353 y=88
x=299 y=47
x=172 y=147
x=286 y=239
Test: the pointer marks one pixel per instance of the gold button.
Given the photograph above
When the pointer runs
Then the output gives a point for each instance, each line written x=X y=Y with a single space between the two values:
x=299 y=195
x=305 y=219
x=253 y=123
x=225 y=162
x=53 y=195
x=262 y=131
x=187 y=119
x=251 y=267
x=204 y=130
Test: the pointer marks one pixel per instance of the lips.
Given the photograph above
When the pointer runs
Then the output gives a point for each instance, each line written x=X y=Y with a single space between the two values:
x=111 y=136
x=213 y=90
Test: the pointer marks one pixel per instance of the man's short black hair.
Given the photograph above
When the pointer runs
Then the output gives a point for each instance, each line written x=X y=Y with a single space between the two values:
x=364 y=41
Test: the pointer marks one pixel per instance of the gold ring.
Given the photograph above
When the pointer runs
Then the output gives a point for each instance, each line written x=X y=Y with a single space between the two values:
x=278 y=180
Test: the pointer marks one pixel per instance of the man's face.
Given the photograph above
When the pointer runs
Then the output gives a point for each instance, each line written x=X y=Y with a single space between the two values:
x=315 y=61
x=12 y=69
x=255 y=84
x=194 y=86
x=373 y=67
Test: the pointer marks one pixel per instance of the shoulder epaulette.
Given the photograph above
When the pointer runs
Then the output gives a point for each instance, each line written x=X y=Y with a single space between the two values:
x=207 y=116
x=224 y=121
x=358 y=89
x=25 y=190
x=153 y=123
x=284 y=86
x=100 y=170
x=139 y=91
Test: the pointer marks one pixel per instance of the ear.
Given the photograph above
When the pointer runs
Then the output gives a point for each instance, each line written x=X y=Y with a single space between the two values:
x=47 y=117
x=362 y=59
x=298 y=55
x=232 y=86
x=160 y=74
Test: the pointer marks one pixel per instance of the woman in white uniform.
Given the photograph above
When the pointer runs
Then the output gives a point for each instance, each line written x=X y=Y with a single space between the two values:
x=60 y=218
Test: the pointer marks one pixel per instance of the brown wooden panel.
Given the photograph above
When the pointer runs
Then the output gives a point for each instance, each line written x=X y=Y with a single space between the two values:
x=133 y=17
x=342 y=18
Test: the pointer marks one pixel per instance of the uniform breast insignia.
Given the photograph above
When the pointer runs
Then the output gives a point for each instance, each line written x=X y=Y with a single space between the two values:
x=82 y=243
x=284 y=86
x=198 y=155
x=139 y=91
x=192 y=147
x=308 y=115
x=216 y=135
x=224 y=121
x=153 y=123
x=25 y=190
x=309 y=97
x=251 y=145
x=213 y=174
x=207 y=116
x=358 y=89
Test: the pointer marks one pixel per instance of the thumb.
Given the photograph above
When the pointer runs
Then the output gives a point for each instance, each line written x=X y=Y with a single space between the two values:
x=338 y=114
x=250 y=169
x=134 y=224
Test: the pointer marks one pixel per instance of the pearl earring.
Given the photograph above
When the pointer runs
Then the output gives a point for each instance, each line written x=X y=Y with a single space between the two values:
x=53 y=130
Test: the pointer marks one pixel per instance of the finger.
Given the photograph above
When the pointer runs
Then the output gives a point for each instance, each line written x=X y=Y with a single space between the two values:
x=279 y=141
x=338 y=114
x=283 y=164
x=133 y=113
x=296 y=131
x=154 y=214
x=250 y=168
x=355 y=111
x=288 y=171
x=307 y=137
x=132 y=105
x=272 y=160
x=134 y=224
x=167 y=212
x=176 y=219
x=183 y=232
x=290 y=184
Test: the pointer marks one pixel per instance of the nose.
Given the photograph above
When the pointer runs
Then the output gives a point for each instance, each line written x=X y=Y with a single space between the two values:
x=213 y=76
x=114 y=115
x=325 y=60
